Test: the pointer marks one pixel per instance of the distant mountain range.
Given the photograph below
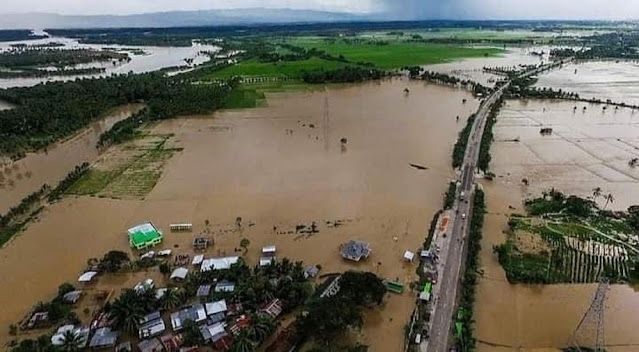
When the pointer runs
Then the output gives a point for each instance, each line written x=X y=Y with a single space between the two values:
x=175 y=19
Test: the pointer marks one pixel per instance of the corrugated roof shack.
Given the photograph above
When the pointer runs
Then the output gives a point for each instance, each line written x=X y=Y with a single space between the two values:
x=355 y=250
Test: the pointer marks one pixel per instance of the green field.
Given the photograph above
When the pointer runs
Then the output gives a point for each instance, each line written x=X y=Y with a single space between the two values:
x=394 y=54
x=289 y=69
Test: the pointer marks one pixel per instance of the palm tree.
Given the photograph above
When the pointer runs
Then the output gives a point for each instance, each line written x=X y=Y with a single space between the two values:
x=170 y=300
x=609 y=199
x=596 y=193
x=71 y=341
x=243 y=342
x=262 y=327
x=126 y=311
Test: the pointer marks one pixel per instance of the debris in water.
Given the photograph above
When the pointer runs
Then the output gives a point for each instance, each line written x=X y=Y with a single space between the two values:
x=418 y=167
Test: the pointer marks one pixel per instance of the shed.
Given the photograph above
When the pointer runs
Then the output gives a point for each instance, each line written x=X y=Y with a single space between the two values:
x=164 y=253
x=88 y=276
x=355 y=250
x=104 y=338
x=198 y=259
x=144 y=236
x=181 y=227
x=195 y=313
x=215 y=307
x=210 y=331
x=268 y=250
x=141 y=287
x=151 y=345
x=179 y=274
x=218 y=263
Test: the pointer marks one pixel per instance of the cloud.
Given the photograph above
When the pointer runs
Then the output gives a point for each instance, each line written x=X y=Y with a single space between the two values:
x=395 y=9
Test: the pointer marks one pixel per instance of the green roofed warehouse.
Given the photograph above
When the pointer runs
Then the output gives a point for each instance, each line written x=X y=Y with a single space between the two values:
x=144 y=236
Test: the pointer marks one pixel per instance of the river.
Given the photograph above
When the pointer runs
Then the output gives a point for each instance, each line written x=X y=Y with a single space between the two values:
x=155 y=58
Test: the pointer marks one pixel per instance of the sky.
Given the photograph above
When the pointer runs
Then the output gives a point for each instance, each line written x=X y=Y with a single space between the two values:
x=396 y=9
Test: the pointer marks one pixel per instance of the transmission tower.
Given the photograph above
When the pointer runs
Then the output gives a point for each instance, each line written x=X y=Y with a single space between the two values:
x=326 y=120
x=589 y=334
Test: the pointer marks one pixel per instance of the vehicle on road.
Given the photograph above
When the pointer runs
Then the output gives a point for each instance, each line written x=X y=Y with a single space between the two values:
x=464 y=216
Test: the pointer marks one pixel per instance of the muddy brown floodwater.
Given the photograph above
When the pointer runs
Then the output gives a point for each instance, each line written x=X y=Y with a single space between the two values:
x=275 y=167
x=586 y=150
x=20 y=178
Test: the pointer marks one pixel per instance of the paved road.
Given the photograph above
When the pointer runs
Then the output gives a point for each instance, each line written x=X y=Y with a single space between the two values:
x=453 y=251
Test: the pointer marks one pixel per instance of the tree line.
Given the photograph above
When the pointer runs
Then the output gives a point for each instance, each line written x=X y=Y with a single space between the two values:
x=48 y=112
x=28 y=57
x=348 y=74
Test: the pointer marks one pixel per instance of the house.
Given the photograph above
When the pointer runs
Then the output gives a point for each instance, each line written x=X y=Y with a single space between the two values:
x=216 y=318
x=216 y=334
x=273 y=308
x=87 y=276
x=38 y=320
x=151 y=325
x=225 y=286
x=195 y=313
x=264 y=261
x=215 y=307
x=103 y=338
x=408 y=256
x=72 y=297
x=268 y=255
x=218 y=263
x=124 y=347
x=200 y=243
x=204 y=290
x=142 y=287
x=179 y=274
x=152 y=345
x=311 y=272
x=172 y=343
x=144 y=236
x=355 y=250
x=239 y=324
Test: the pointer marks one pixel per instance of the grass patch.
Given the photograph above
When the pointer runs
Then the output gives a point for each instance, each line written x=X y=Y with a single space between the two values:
x=286 y=69
x=93 y=182
x=245 y=98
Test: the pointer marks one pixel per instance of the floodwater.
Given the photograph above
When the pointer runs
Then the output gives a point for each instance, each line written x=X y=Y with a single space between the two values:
x=275 y=167
x=586 y=150
x=617 y=81
x=20 y=178
x=473 y=68
x=155 y=58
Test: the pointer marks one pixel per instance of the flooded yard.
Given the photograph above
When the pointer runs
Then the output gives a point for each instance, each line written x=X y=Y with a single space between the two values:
x=585 y=150
x=337 y=156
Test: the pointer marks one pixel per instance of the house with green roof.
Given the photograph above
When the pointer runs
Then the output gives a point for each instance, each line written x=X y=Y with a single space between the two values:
x=144 y=236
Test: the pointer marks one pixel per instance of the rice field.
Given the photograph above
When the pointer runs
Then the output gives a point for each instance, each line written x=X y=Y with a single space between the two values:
x=573 y=252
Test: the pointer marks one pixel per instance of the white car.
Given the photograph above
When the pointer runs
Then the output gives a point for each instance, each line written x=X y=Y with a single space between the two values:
x=464 y=216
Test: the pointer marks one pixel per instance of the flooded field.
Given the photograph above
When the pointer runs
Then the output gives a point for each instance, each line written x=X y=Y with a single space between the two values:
x=23 y=177
x=617 y=81
x=154 y=58
x=586 y=150
x=472 y=69
x=275 y=167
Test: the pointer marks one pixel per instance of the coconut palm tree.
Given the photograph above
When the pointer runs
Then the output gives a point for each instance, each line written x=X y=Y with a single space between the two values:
x=596 y=193
x=171 y=299
x=243 y=342
x=126 y=311
x=71 y=341
x=609 y=199
x=262 y=327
